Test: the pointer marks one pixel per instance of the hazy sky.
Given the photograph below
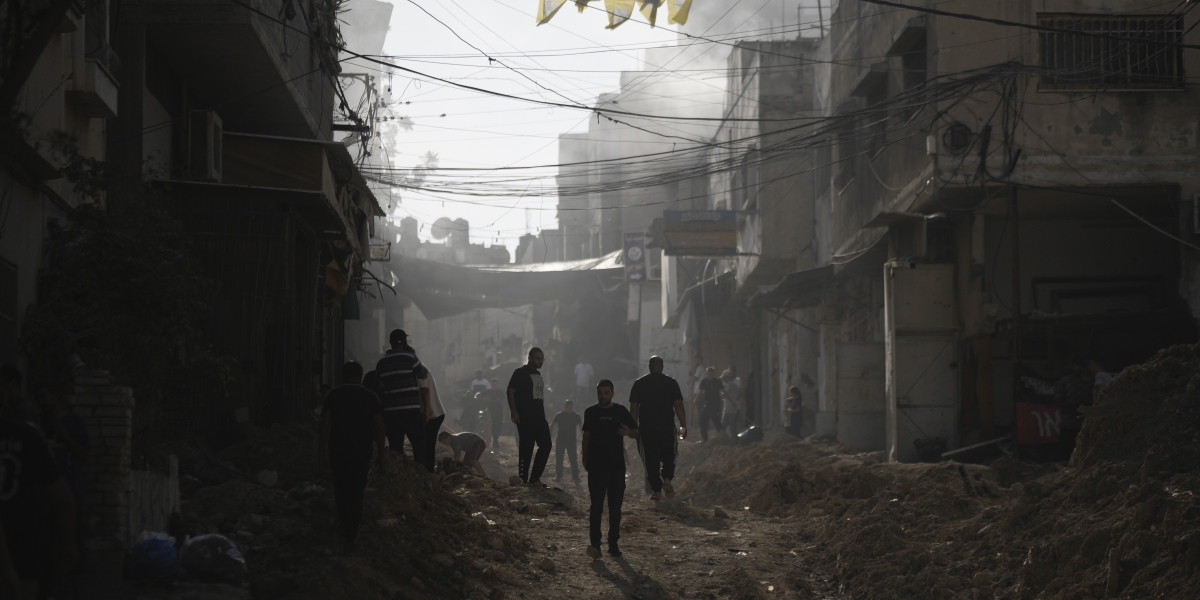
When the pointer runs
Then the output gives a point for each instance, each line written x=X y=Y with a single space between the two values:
x=568 y=55
x=571 y=60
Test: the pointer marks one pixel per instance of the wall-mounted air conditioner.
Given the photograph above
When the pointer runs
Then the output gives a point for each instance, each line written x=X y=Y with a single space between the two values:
x=204 y=146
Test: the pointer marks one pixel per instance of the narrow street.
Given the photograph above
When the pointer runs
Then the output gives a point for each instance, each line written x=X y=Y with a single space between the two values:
x=672 y=549
x=917 y=280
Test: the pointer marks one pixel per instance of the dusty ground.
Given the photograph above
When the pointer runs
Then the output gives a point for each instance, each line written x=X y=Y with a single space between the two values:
x=671 y=549
x=807 y=520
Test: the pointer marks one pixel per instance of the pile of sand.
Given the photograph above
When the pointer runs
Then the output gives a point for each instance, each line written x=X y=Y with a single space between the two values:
x=1122 y=520
x=423 y=535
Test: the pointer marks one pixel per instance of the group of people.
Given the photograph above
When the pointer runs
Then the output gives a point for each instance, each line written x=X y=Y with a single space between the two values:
x=405 y=405
x=398 y=400
x=484 y=396
x=719 y=400
x=42 y=445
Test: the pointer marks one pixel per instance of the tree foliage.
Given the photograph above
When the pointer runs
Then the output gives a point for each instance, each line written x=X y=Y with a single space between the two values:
x=122 y=293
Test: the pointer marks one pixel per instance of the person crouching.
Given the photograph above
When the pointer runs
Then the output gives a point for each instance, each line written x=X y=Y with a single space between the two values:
x=470 y=445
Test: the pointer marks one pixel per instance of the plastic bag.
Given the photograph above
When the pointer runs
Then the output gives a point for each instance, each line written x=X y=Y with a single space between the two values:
x=153 y=558
x=213 y=558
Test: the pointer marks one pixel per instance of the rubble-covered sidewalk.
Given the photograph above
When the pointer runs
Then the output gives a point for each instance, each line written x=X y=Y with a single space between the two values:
x=783 y=519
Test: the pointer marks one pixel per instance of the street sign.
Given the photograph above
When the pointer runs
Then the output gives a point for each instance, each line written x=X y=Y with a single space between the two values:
x=700 y=232
x=635 y=257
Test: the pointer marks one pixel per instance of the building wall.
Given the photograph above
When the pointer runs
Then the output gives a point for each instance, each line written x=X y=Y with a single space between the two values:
x=655 y=340
x=32 y=191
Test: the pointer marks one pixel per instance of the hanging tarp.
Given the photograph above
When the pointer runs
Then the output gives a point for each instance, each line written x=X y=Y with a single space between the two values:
x=547 y=9
x=443 y=290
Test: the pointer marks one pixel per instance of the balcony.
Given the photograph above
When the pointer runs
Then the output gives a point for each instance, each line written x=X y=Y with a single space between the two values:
x=263 y=76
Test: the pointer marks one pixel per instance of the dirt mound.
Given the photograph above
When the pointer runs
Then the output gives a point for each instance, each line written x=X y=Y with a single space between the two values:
x=724 y=475
x=423 y=535
x=1122 y=521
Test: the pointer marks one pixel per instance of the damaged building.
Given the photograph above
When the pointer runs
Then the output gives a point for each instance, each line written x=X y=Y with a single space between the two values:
x=961 y=223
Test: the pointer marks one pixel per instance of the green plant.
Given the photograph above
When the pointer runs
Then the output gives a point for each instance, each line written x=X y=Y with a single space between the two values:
x=122 y=293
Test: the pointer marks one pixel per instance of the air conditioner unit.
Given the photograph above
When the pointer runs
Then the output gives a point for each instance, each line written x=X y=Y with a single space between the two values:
x=204 y=146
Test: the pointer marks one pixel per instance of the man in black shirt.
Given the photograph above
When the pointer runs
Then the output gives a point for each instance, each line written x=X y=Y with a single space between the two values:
x=351 y=419
x=712 y=392
x=526 y=394
x=404 y=408
x=567 y=422
x=655 y=401
x=604 y=424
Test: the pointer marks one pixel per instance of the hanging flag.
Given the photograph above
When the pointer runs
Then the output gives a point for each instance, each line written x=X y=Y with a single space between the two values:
x=547 y=8
x=619 y=11
x=581 y=4
x=677 y=11
x=650 y=10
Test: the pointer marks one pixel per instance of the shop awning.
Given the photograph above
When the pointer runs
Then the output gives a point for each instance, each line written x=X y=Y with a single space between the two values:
x=801 y=288
x=443 y=290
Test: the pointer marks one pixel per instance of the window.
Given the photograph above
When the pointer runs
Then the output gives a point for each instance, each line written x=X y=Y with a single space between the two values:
x=8 y=312
x=847 y=149
x=1117 y=53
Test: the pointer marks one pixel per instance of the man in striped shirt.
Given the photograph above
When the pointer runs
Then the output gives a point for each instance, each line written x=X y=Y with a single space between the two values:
x=404 y=407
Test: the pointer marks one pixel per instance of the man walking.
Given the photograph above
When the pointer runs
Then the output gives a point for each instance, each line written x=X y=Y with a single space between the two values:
x=351 y=419
x=526 y=394
x=567 y=422
x=655 y=402
x=583 y=379
x=404 y=408
x=710 y=396
x=604 y=424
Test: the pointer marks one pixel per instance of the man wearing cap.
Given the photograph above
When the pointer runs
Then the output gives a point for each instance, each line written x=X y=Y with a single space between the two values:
x=404 y=407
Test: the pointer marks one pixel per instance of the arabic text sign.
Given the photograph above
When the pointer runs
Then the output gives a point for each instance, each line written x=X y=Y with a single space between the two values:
x=700 y=231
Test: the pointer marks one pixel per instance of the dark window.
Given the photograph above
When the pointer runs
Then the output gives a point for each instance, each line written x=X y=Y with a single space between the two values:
x=915 y=65
x=1112 y=53
x=8 y=312
x=847 y=149
x=877 y=120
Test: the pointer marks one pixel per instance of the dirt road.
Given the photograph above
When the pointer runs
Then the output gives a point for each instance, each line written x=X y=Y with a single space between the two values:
x=806 y=520
x=672 y=549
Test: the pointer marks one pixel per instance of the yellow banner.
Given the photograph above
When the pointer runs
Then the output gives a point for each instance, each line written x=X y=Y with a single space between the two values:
x=677 y=11
x=650 y=10
x=619 y=11
x=547 y=9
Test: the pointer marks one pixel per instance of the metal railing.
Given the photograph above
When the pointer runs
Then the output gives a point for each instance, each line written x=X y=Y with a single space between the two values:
x=1112 y=53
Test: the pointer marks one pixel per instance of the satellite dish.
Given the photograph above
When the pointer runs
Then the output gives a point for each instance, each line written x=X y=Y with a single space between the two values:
x=441 y=228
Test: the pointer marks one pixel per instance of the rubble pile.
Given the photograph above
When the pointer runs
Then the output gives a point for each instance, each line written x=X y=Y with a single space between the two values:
x=423 y=535
x=1122 y=521
x=724 y=475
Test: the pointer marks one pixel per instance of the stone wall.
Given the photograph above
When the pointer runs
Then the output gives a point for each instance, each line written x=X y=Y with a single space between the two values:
x=107 y=410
